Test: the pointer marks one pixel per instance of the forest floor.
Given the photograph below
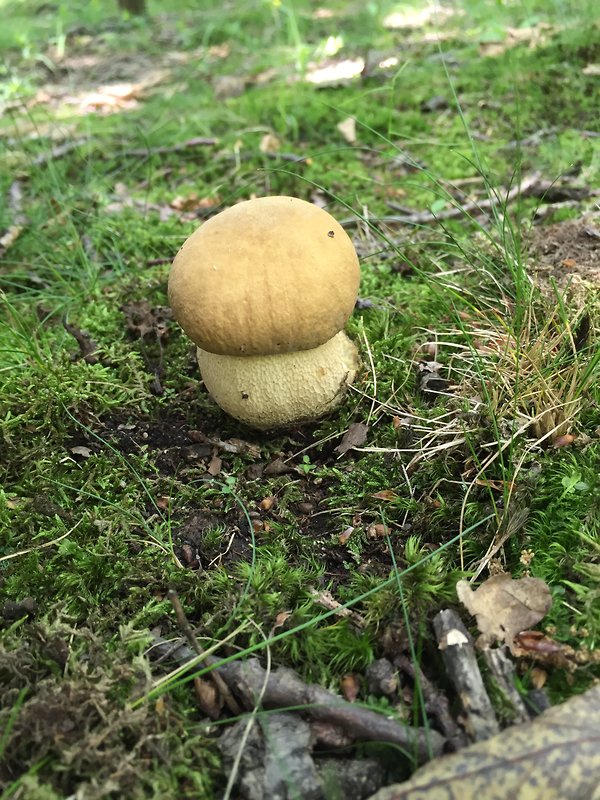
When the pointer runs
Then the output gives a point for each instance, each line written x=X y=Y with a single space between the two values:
x=459 y=146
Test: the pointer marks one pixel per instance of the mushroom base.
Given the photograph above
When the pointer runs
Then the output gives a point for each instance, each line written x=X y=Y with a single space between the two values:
x=283 y=389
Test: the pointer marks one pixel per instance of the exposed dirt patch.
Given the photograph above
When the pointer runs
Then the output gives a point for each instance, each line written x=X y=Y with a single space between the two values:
x=568 y=253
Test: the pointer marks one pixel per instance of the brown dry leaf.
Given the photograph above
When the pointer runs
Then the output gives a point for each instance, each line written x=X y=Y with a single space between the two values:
x=142 y=318
x=281 y=619
x=504 y=607
x=267 y=503
x=538 y=647
x=193 y=202
x=378 y=531
x=345 y=535
x=350 y=687
x=214 y=466
x=385 y=494
x=208 y=698
x=556 y=756
x=565 y=440
x=327 y=600
x=348 y=129
x=278 y=467
x=354 y=437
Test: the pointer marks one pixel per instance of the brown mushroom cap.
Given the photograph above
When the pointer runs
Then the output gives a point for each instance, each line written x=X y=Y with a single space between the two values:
x=271 y=275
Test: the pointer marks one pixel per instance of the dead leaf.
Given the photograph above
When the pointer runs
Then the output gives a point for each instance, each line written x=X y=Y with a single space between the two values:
x=193 y=202
x=281 y=619
x=269 y=143
x=591 y=69
x=143 y=319
x=354 y=437
x=504 y=607
x=328 y=601
x=208 y=698
x=350 y=687
x=378 y=531
x=568 y=263
x=538 y=641
x=214 y=466
x=267 y=503
x=554 y=757
x=565 y=440
x=80 y=450
x=385 y=494
x=229 y=86
x=278 y=467
x=345 y=535
x=348 y=129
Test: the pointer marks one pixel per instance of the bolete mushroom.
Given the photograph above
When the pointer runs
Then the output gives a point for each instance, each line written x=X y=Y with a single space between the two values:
x=264 y=290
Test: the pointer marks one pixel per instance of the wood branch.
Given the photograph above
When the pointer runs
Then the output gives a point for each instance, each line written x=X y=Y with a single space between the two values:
x=531 y=186
x=282 y=688
x=57 y=152
x=436 y=704
x=538 y=136
x=190 y=144
x=458 y=653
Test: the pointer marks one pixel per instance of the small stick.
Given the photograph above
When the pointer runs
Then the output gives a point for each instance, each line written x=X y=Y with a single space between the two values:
x=282 y=688
x=141 y=152
x=461 y=664
x=186 y=628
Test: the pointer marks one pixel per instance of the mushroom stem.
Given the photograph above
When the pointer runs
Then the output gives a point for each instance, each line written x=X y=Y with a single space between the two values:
x=282 y=389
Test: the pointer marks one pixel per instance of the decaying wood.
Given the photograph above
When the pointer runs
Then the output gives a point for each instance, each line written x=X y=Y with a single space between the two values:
x=458 y=653
x=282 y=688
x=503 y=670
x=436 y=704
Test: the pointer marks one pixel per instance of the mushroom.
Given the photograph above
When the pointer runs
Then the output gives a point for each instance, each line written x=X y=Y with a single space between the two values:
x=264 y=290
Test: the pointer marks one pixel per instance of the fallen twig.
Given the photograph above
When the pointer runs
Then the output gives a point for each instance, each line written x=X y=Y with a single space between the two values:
x=461 y=665
x=531 y=186
x=436 y=703
x=87 y=346
x=283 y=688
x=538 y=136
x=57 y=152
x=221 y=684
x=141 y=152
